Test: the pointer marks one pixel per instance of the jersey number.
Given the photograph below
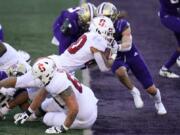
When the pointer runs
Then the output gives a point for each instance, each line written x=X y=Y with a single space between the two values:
x=77 y=45
x=75 y=82
x=174 y=1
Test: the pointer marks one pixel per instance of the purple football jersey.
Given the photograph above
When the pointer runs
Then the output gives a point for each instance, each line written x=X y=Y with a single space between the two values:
x=170 y=7
x=74 y=29
x=131 y=59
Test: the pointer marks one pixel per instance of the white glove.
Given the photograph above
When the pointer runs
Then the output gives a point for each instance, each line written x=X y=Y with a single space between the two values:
x=56 y=130
x=7 y=91
x=22 y=117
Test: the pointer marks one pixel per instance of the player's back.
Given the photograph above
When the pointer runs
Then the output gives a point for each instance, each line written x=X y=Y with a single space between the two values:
x=11 y=57
x=79 y=53
x=71 y=16
x=170 y=6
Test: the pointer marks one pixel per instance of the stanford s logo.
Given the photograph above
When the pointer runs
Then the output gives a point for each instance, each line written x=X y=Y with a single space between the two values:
x=41 y=67
x=102 y=22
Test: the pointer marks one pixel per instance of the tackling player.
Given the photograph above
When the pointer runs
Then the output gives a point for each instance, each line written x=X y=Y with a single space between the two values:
x=128 y=57
x=71 y=24
x=170 y=18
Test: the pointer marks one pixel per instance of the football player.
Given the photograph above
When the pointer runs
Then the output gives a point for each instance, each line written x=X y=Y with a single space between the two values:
x=170 y=18
x=71 y=24
x=128 y=57
x=72 y=105
x=12 y=63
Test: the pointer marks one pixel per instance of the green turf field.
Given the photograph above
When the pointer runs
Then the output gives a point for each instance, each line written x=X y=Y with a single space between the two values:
x=27 y=25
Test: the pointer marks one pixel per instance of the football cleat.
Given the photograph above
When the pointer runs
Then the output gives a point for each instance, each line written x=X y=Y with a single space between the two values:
x=178 y=61
x=164 y=72
x=160 y=108
x=53 y=130
x=138 y=102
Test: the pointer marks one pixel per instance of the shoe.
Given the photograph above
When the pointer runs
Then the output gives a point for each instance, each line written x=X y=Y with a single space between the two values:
x=164 y=72
x=53 y=130
x=138 y=102
x=178 y=61
x=160 y=108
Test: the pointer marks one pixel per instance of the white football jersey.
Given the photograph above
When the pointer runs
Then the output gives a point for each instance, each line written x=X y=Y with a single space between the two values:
x=62 y=80
x=11 y=57
x=79 y=53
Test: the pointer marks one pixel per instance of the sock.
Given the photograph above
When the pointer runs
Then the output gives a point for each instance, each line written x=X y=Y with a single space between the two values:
x=157 y=97
x=135 y=91
x=172 y=60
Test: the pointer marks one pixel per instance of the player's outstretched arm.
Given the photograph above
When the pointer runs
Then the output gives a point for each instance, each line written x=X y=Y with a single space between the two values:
x=101 y=59
x=9 y=82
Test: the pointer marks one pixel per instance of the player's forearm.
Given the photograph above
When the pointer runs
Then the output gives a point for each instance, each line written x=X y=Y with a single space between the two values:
x=72 y=106
x=71 y=116
x=126 y=43
x=38 y=99
x=8 y=82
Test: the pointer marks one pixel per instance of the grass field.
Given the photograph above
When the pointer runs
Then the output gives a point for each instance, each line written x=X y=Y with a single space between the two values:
x=27 y=25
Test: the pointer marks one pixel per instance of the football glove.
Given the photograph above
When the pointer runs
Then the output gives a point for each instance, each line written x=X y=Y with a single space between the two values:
x=22 y=117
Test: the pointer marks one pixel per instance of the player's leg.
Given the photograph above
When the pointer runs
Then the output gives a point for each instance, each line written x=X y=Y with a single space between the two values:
x=141 y=72
x=120 y=70
x=172 y=23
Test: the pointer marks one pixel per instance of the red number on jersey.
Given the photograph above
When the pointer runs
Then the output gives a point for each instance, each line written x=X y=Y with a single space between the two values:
x=41 y=67
x=75 y=82
x=102 y=22
x=77 y=45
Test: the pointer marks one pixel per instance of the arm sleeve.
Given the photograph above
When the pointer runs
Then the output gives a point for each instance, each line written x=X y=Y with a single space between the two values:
x=27 y=80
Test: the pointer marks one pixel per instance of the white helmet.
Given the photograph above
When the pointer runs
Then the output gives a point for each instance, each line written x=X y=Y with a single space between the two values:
x=44 y=69
x=103 y=26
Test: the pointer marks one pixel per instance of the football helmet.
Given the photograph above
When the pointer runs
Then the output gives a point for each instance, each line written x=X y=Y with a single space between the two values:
x=87 y=12
x=17 y=69
x=107 y=9
x=44 y=69
x=103 y=26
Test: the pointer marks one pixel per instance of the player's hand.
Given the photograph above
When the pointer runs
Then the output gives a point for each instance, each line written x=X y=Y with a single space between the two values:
x=22 y=117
